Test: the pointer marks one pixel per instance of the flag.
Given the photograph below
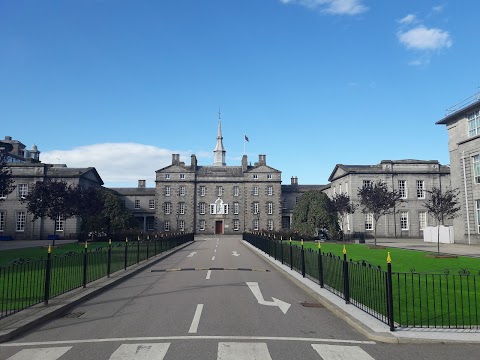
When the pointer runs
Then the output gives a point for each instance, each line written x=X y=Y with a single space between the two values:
x=246 y=138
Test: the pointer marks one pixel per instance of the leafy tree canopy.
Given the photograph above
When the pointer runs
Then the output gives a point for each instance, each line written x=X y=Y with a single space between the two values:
x=313 y=211
x=442 y=205
x=6 y=181
x=378 y=200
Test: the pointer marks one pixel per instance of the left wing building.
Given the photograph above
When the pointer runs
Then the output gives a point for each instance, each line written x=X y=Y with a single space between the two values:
x=26 y=169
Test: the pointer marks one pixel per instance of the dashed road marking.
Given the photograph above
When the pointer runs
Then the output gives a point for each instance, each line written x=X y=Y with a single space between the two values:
x=210 y=269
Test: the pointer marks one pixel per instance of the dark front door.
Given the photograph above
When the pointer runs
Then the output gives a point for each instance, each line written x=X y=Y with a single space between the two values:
x=218 y=227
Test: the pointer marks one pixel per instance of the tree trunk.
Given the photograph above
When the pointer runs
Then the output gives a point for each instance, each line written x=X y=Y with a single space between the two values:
x=54 y=231
x=438 y=239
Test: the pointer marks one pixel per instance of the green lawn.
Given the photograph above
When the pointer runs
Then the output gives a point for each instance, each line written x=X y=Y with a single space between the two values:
x=402 y=260
x=23 y=284
x=427 y=290
x=39 y=252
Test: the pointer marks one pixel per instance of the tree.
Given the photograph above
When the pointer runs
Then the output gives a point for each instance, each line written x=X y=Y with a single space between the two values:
x=342 y=205
x=442 y=206
x=377 y=200
x=314 y=210
x=113 y=217
x=52 y=199
x=87 y=201
x=6 y=181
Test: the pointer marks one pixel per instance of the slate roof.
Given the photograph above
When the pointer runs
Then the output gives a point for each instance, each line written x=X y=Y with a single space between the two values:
x=227 y=171
x=302 y=188
x=134 y=191
x=459 y=112
x=378 y=169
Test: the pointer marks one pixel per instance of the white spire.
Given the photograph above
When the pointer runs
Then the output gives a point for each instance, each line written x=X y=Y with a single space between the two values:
x=219 y=152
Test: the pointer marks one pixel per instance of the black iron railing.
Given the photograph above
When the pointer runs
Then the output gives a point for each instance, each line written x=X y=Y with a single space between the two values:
x=24 y=283
x=446 y=300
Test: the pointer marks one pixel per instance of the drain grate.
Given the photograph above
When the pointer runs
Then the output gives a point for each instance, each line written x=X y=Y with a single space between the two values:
x=312 y=305
x=73 y=315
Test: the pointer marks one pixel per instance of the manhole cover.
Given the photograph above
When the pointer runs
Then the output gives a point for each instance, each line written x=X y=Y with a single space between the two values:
x=73 y=315
x=312 y=305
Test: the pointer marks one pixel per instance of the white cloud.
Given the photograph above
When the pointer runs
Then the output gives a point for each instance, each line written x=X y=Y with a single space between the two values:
x=423 y=38
x=409 y=19
x=118 y=164
x=336 y=7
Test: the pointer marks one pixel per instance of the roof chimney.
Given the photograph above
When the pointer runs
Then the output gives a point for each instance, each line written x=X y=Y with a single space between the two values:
x=141 y=183
x=193 y=163
x=175 y=159
x=262 y=159
x=294 y=180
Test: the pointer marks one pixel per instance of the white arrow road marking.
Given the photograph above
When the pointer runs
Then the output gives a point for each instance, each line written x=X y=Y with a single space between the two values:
x=196 y=319
x=336 y=352
x=140 y=352
x=240 y=351
x=191 y=254
x=234 y=253
x=284 y=306
x=40 y=353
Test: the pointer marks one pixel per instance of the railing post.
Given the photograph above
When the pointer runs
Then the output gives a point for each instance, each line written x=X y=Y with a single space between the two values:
x=155 y=246
x=320 y=265
x=48 y=272
x=126 y=253
x=85 y=262
x=148 y=244
x=303 y=260
x=281 y=248
x=391 y=321
x=346 y=284
x=109 y=257
x=291 y=255
x=275 y=249
x=138 y=249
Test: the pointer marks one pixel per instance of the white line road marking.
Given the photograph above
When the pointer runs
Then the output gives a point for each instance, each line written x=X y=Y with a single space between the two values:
x=40 y=354
x=209 y=272
x=284 y=306
x=336 y=352
x=242 y=351
x=196 y=319
x=215 y=250
x=191 y=254
x=140 y=352
x=213 y=258
x=234 y=253
x=191 y=337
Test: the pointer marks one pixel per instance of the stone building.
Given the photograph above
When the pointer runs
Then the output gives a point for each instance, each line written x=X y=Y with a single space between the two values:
x=412 y=178
x=26 y=170
x=218 y=199
x=290 y=197
x=141 y=202
x=463 y=126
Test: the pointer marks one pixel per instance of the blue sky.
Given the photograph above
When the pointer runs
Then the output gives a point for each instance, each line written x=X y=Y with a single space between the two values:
x=122 y=84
